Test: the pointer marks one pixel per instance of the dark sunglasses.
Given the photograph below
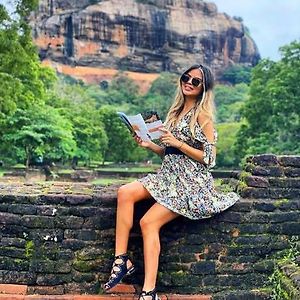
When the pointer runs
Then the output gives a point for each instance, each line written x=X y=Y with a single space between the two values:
x=195 y=81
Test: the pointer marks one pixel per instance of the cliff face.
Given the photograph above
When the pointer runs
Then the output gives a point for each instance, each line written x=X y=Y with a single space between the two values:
x=141 y=35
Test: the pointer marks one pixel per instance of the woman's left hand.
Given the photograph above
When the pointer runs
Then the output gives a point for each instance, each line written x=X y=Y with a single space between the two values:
x=168 y=138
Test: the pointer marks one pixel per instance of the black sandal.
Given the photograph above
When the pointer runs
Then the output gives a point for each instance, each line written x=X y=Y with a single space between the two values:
x=152 y=294
x=118 y=271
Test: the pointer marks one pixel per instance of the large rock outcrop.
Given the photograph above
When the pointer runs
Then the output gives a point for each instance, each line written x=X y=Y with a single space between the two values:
x=141 y=35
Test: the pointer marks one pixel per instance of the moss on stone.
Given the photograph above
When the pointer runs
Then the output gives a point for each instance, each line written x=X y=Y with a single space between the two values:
x=29 y=249
x=279 y=202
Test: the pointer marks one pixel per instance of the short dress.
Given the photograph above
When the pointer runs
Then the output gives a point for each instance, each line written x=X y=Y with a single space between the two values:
x=185 y=185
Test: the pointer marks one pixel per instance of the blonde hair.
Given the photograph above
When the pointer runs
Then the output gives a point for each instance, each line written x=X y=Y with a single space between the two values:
x=205 y=103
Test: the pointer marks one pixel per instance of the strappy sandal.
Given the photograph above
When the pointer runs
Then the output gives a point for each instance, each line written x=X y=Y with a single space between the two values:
x=152 y=294
x=118 y=271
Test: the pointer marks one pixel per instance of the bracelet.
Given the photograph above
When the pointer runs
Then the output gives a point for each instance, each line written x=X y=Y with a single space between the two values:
x=180 y=145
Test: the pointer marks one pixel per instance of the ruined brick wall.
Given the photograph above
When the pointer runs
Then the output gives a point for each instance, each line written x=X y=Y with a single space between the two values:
x=59 y=237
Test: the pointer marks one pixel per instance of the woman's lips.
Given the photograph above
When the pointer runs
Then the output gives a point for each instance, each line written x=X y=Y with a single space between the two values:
x=188 y=88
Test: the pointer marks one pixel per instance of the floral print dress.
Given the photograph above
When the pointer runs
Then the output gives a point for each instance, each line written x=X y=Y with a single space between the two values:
x=185 y=185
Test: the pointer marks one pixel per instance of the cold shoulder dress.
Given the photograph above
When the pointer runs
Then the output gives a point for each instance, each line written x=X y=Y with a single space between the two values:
x=185 y=185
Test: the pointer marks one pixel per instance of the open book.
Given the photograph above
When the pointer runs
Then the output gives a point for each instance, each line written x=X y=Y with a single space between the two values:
x=147 y=129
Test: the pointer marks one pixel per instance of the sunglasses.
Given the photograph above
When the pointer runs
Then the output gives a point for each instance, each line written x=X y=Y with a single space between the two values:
x=195 y=81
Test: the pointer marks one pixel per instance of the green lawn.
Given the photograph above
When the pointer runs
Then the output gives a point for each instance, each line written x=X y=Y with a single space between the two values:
x=109 y=181
x=137 y=169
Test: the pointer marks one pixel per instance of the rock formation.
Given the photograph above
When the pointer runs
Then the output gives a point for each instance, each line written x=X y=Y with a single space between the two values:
x=141 y=35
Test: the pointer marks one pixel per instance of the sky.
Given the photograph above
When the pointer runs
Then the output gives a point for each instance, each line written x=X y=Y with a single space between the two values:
x=272 y=23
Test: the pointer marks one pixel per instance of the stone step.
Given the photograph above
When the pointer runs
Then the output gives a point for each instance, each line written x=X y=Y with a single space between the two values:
x=97 y=297
x=120 y=292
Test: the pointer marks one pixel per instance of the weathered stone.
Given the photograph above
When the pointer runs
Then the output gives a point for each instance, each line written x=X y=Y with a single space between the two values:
x=22 y=209
x=284 y=182
x=203 y=267
x=46 y=290
x=268 y=171
x=256 y=181
x=72 y=244
x=79 y=199
x=289 y=160
x=69 y=222
x=284 y=193
x=53 y=279
x=15 y=242
x=265 y=206
x=80 y=288
x=291 y=172
x=13 y=264
x=37 y=221
x=53 y=199
x=139 y=37
x=251 y=192
x=17 y=277
x=12 y=252
x=84 y=234
x=265 y=160
x=49 y=266
x=7 y=218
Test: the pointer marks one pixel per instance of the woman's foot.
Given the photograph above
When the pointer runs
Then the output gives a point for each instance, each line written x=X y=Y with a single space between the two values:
x=151 y=295
x=121 y=267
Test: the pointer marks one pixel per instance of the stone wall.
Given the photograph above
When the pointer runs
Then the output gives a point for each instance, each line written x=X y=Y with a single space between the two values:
x=58 y=238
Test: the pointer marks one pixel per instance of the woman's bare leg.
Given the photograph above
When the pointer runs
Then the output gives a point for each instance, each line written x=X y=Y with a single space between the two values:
x=152 y=221
x=128 y=195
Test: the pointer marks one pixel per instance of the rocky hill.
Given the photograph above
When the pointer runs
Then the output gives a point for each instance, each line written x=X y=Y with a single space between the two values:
x=141 y=35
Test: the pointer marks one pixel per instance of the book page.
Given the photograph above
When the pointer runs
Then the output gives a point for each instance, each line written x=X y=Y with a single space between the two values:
x=153 y=129
x=139 y=126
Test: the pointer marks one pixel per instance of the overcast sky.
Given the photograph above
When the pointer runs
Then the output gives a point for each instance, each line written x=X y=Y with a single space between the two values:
x=272 y=23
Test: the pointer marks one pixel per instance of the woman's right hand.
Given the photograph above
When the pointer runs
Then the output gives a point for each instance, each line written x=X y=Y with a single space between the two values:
x=141 y=142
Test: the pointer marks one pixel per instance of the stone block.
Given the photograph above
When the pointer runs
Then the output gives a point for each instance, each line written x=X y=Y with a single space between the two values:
x=37 y=221
x=251 y=192
x=22 y=209
x=53 y=279
x=273 y=171
x=68 y=222
x=79 y=199
x=8 y=218
x=284 y=182
x=284 y=193
x=265 y=160
x=257 y=181
x=291 y=172
x=289 y=160
x=265 y=206
x=47 y=290
x=53 y=199
x=50 y=266
x=203 y=267
x=17 y=277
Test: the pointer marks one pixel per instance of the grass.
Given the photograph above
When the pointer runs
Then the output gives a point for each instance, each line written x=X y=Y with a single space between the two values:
x=109 y=181
x=128 y=169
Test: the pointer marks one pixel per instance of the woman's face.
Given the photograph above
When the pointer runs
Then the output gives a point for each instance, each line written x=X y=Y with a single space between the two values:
x=189 y=82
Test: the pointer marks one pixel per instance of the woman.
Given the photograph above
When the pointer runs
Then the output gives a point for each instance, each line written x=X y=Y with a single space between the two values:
x=182 y=186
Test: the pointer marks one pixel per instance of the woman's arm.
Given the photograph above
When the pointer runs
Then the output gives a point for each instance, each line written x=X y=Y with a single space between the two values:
x=207 y=154
x=151 y=146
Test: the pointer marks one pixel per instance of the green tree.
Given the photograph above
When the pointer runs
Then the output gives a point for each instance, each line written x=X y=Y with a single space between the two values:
x=121 y=146
x=161 y=94
x=38 y=131
x=88 y=130
x=272 y=111
x=237 y=74
x=225 y=145
x=229 y=100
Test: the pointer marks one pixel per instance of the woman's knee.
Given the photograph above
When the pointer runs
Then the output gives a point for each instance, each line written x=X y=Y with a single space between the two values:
x=148 y=226
x=123 y=194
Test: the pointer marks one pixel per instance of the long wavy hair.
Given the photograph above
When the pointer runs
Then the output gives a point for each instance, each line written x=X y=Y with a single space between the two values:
x=205 y=101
